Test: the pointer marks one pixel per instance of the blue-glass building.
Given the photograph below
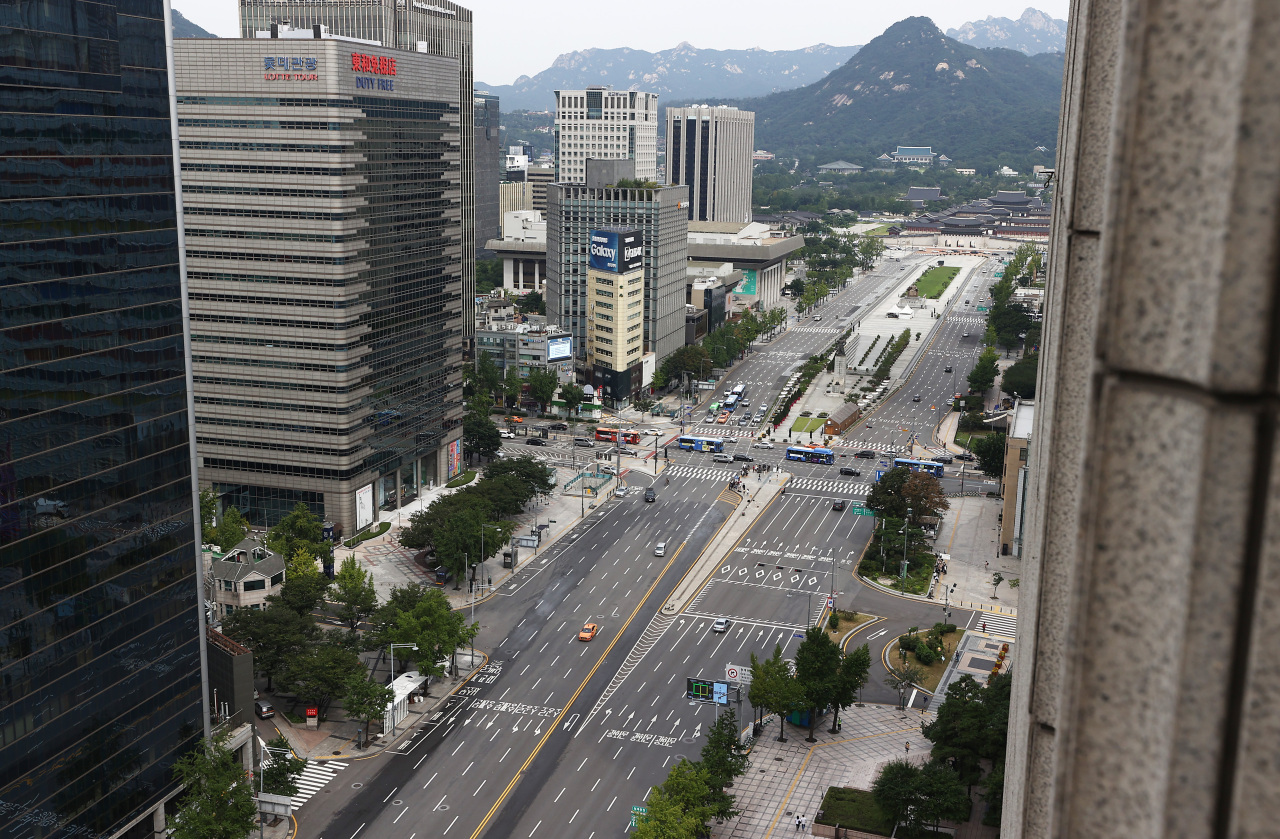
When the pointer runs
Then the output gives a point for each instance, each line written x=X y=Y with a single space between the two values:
x=100 y=661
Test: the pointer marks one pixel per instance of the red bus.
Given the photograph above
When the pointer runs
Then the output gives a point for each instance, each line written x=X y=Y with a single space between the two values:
x=612 y=435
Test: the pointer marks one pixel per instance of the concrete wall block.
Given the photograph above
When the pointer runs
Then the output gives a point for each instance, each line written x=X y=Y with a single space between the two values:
x=1256 y=785
x=1166 y=240
x=1132 y=591
x=1097 y=49
x=1203 y=648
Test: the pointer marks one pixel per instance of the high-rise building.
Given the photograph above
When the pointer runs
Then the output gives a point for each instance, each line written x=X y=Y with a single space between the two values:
x=440 y=28
x=325 y=238
x=615 y=311
x=710 y=150
x=605 y=124
x=101 y=657
x=490 y=167
x=659 y=216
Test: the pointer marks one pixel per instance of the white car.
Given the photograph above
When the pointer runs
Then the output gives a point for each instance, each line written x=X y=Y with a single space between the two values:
x=651 y=432
x=506 y=435
x=729 y=440
x=609 y=469
x=762 y=444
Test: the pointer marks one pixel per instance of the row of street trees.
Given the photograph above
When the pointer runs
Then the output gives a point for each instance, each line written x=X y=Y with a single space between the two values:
x=719 y=348
x=696 y=791
x=472 y=525
x=821 y=677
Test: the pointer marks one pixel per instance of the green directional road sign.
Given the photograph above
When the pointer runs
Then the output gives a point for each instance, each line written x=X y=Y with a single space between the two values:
x=637 y=810
x=982 y=308
x=863 y=511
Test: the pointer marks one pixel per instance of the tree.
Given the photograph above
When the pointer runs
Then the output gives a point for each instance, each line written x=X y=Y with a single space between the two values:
x=983 y=374
x=678 y=807
x=923 y=495
x=996 y=579
x=280 y=767
x=721 y=755
x=896 y=789
x=886 y=497
x=1020 y=378
x=940 y=794
x=208 y=511
x=774 y=688
x=354 y=592
x=855 y=666
x=277 y=636
x=304 y=586
x=321 y=674
x=534 y=476
x=533 y=303
x=818 y=672
x=487 y=376
x=542 y=386
x=432 y=625
x=990 y=452
x=231 y=530
x=300 y=529
x=219 y=798
x=365 y=701
x=902 y=677
x=572 y=396
x=480 y=434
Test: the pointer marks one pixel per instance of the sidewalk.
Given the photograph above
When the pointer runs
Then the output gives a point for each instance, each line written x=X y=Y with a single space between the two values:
x=784 y=780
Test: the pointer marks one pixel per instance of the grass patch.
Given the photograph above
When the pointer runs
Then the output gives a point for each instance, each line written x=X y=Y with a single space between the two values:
x=804 y=424
x=882 y=230
x=855 y=809
x=848 y=620
x=968 y=438
x=933 y=672
x=371 y=533
x=463 y=479
x=935 y=281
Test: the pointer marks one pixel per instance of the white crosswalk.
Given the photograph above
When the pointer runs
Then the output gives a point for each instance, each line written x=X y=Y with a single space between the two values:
x=824 y=330
x=973 y=319
x=1001 y=626
x=725 y=430
x=314 y=778
x=845 y=488
x=705 y=472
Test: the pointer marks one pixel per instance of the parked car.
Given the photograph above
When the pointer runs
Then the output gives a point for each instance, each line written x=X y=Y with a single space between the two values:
x=650 y=495
x=745 y=458
x=535 y=441
x=263 y=709
x=588 y=632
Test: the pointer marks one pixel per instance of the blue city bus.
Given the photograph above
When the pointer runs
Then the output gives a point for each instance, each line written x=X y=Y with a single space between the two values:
x=730 y=403
x=811 y=454
x=927 y=466
x=701 y=444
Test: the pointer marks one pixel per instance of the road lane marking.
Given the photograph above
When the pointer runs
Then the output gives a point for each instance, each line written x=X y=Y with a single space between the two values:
x=402 y=812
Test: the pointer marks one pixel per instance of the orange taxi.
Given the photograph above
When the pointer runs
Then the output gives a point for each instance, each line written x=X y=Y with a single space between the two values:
x=588 y=632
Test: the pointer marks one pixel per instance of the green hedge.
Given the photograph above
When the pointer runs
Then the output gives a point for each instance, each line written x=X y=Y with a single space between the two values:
x=372 y=533
x=463 y=479
x=855 y=809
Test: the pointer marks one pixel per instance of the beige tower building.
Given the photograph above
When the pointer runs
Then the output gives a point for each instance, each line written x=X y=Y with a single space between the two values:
x=709 y=149
x=602 y=124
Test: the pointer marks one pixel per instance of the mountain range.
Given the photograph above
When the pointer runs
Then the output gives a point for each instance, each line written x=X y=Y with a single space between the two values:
x=914 y=86
x=1034 y=32
x=183 y=28
x=684 y=73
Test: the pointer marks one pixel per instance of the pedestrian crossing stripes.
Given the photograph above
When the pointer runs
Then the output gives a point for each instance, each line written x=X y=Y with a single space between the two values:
x=967 y=319
x=824 y=330
x=708 y=472
x=315 y=776
x=826 y=485
x=877 y=447
x=1001 y=626
x=722 y=431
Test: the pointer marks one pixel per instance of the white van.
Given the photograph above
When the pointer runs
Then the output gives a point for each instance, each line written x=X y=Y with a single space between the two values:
x=660 y=549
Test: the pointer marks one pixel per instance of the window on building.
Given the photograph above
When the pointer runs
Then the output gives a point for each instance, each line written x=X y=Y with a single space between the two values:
x=255 y=585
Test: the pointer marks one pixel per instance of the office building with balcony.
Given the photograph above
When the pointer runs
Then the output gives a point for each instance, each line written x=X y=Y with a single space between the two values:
x=324 y=185
x=102 y=660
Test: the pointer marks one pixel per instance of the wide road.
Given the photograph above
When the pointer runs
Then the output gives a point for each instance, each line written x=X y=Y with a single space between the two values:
x=451 y=776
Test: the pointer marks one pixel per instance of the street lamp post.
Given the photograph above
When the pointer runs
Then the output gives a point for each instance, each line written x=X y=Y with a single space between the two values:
x=394 y=721
x=906 y=536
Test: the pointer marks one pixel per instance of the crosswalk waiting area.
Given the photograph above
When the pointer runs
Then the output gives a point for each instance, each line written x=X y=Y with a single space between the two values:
x=1001 y=626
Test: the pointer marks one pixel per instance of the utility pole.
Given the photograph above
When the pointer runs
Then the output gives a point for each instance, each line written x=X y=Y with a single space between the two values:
x=906 y=536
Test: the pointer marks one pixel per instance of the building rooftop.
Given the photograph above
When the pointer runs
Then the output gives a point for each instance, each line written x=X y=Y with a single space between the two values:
x=247 y=558
x=1023 y=418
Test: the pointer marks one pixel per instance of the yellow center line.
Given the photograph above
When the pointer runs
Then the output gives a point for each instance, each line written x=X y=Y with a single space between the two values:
x=538 y=748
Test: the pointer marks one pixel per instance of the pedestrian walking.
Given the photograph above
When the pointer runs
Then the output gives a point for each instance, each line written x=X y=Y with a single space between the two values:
x=797 y=823
x=984 y=626
x=907 y=747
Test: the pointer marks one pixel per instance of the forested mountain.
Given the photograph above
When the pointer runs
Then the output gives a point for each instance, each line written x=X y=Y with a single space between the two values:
x=914 y=86
x=183 y=28
x=680 y=74
x=1034 y=32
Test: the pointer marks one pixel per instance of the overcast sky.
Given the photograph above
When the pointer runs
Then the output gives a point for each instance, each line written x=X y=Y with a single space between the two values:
x=523 y=38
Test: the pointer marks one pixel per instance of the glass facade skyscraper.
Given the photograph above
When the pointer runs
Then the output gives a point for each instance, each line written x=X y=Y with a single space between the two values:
x=100 y=657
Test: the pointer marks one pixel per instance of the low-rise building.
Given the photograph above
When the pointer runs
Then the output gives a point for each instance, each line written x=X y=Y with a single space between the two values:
x=245 y=576
x=840 y=167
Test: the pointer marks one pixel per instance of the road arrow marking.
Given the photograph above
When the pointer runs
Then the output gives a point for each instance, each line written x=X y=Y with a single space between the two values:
x=651 y=722
x=875 y=635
